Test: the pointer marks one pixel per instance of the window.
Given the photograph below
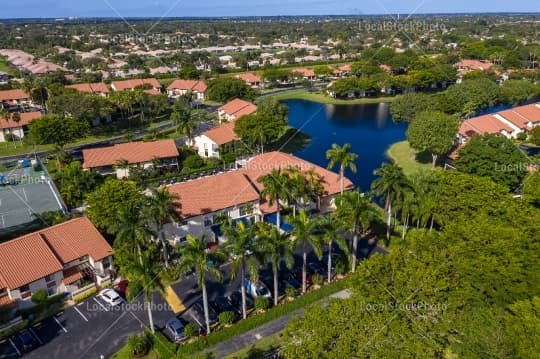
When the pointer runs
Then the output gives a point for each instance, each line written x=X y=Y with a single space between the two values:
x=25 y=292
x=49 y=278
x=208 y=221
x=51 y=291
x=24 y=288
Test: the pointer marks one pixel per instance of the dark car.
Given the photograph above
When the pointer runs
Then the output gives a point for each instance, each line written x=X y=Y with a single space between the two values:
x=268 y=280
x=236 y=301
x=222 y=304
x=289 y=280
x=27 y=340
x=198 y=308
x=298 y=275
x=316 y=268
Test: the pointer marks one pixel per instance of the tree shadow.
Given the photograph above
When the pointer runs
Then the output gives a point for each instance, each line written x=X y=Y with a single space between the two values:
x=292 y=141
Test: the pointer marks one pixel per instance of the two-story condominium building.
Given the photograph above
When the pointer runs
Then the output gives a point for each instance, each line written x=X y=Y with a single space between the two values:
x=237 y=194
x=13 y=99
x=305 y=73
x=250 y=79
x=508 y=123
x=130 y=85
x=180 y=88
x=18 y=129
x=97 y=88
x=235 y=109
x=209 y=142
x=119 y=158
x=56 y=259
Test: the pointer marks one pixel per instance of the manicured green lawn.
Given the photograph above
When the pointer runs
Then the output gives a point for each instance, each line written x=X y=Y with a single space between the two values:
x=5 y=67
x=406 y=157
x=260 y=347
x=322 y=98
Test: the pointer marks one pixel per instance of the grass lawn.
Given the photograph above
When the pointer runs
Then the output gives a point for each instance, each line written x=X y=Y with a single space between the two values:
x=258 y=349
x=5 y=67
x=322 y=98
x=408 y=159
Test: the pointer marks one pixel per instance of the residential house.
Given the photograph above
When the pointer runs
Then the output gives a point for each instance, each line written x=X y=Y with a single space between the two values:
x=130 y=85
x=465 y=66
x=250 y=79
x=13 y=99
x=98 y=88
x=18 y=129
x=305 y=73
x=119 y=158
x=235 y=109
x=209 y=142
x=237 y=194
x=181 y=87
x=58 y=259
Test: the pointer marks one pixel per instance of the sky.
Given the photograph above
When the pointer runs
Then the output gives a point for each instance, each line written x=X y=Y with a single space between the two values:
x=210 y=8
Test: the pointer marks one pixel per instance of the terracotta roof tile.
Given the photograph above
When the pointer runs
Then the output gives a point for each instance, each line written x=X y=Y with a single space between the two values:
x=305 y=72
x=474 y=65
x=530 y=112
x=222 y=134
x=238 y=106
x=16 y=94
x=26 y=118
x=249 y=78
x=133 y=152
x=133 y=83
x=71 y=275
x=189 y=85
x=487 y=124
x=515 y=118
x=97 y=87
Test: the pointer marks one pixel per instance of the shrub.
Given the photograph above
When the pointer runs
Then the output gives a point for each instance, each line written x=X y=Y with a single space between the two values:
x=138 y=346
x=193 y=162
x=317 y=279
x=290 y=292
x=81 y=297
x=226 y=318
x=342 y=266
x=522 y=136
x=39 y=296
x=535 y=135
x=191 y=330
x=262 y=303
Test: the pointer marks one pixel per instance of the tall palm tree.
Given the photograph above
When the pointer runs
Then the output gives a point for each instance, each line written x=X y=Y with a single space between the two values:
x=16 y=117
x=195 y=255
x=343 y=156
x=121 y=164
x=6 y=116
x=163 y=206
x=391 y=183
x=296 y=185
x=305 y=236
x=331 y=231
x=133 y=228
x=240 y=246
x=275 y=189
x=275 y=247
x=356 y=210
x=314 y=185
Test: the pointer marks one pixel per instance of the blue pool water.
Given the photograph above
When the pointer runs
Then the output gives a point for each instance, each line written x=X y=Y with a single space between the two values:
x=368 y=128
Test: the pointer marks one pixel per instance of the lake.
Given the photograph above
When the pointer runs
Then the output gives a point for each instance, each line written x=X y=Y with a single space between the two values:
x=368 y=128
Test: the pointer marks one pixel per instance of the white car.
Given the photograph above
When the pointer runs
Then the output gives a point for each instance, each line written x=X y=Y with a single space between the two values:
x=257 y=289
x=110 y=296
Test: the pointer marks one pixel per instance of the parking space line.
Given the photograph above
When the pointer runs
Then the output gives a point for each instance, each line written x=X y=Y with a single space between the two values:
x=78 y=311
x=60 y=324
x=35 y=335
x=101 y=305
x=15 y=347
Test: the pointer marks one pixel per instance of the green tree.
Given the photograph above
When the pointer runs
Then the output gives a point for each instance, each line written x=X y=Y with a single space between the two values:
x=494 y=157
x=331 y=231
x=516 y=91
x=390 y=184
x=241 y=242
x=342 y=156
x=305 y=236
x=274 y=247
x=194 y=255
x=104 y=204
x=225 y=89
x=531 y=188
x=522 y=326
x=535 y=135
x=406 y=107
x=74 y=183
x=275 y=189
x=434 y=132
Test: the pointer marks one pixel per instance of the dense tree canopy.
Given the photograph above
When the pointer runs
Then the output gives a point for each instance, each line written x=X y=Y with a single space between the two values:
x=74 y=183
x=228 y=88
x=495 y=157
x=405 y=108
x=57 y=130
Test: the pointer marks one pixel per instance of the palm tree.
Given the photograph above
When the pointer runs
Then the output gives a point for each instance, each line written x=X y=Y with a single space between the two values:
x=344 y=157
x=240 y=242
x=163 y=206
x=296 y=185
x=390 y=184
x=356 y=209
x=121 y=164
x=16 y=117
x=305 y=235
x=314 y=185
x=133 y=228
x=6 y=116
x=275 y=189
x=274 y=247
x=332 y=231
x=195 y=255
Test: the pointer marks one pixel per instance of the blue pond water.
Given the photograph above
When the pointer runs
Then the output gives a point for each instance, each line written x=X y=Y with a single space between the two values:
x=368 y=128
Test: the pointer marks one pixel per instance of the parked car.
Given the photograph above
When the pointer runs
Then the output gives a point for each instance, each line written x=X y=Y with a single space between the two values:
x=111 y=297
x=298 y=275
x=198 y=307
x=257 y=289
x=236 y=301
x=222 y=304
x=175 y=328
x=289 y=280
x=28 y=341
x=268 y=280
x=316 y=268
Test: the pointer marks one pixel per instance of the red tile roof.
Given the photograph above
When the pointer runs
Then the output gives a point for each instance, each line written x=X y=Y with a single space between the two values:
x=16 y=94
x=474 y=65
x=133 y=152
x=530 y=112
x=131 y=84
x=27 y=259
x=98 y=87
x=26 y=118
x=71 y=275
x=214 y=193
x=222 y=134
x=188 y=85
x=305 y=72
x=487 y=124
x=515 y=118
x=249 y=78
x=238 y=107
